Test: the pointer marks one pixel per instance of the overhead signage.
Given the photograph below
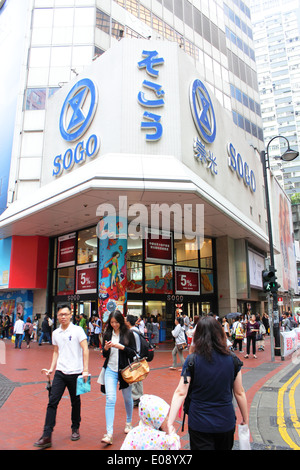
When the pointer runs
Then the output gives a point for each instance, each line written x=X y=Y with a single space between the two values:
x=203 y=111
x=151 y=120
x=241 y=168
x=77 y=114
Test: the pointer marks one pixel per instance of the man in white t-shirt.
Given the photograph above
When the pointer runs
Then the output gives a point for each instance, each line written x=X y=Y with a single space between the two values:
x=70 y=358
x=18 y=332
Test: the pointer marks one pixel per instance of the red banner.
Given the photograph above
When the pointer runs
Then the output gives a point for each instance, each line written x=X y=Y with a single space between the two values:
x=86 y=279
x=187 y=281
x=66 y=250
x=159 y=247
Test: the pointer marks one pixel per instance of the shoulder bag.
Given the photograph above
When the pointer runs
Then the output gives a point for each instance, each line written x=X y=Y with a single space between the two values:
x=135 y=371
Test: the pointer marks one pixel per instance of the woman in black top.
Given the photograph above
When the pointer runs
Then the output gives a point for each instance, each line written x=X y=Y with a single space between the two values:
x=216 y=375
x=118 y=349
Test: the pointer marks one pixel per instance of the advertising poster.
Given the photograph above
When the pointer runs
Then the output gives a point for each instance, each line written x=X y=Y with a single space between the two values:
x=187 y=281
x=86 y=279
x=66 y=250
x=112 y=269
x=159 y=247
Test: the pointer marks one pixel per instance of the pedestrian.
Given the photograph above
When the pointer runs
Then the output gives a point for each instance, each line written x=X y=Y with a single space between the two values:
x=6 y=325
x=252 y=327
x=118 y=349
x=180 y=344
x=141 y=325
x=46 y=329
x=225 y=325
x=70 y=359
x=238 y=333
x=35 y=328
x=98 y=333
x=82 y=322
x=265 y=320
x=91 y=332
x=155 y=332
x=137 y=387
x=215 y=376
x=151 y=432
x=149 y=328
x=28 y=329
x=18 y=332
x=186 y=324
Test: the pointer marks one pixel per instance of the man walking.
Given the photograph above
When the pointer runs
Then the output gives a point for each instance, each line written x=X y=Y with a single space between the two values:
x=70 y=358
x=18 y=332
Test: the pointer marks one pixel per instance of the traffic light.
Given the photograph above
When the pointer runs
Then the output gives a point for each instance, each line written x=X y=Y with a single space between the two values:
x=269 y=280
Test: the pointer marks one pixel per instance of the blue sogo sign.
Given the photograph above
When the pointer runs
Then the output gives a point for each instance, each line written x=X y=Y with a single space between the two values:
x=241 y=168
x=76 y=116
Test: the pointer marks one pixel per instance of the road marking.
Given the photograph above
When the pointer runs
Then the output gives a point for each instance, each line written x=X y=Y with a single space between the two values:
x=280 y=411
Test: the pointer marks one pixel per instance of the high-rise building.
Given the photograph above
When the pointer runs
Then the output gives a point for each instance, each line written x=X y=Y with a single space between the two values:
x=123 y=104
x=276 y=31
x=63 y=36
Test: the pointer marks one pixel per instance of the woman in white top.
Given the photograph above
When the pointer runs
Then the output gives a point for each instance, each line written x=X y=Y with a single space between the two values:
x=178 y=334
x=119 y=347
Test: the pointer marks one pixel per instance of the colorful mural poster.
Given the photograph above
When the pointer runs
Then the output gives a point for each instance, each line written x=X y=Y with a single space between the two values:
x=112 y=269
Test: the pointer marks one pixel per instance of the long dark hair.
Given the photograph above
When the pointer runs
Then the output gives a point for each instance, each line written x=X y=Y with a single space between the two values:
x=124 y=331
x=209 y=336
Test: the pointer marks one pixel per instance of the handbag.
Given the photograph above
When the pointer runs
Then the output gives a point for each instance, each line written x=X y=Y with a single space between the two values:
x=136 y=371
x=181 y=346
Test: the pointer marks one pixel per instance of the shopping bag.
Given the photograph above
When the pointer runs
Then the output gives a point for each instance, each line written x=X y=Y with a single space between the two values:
x=13 y=338
x=244 y=437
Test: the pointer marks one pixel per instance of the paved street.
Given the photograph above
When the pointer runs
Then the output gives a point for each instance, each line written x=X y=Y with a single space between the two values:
x=272 y=392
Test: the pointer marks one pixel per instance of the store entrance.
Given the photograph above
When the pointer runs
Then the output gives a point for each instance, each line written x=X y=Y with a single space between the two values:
x=87 y=308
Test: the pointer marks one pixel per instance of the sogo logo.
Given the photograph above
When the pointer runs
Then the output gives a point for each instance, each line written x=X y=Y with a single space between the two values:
x=76 y=116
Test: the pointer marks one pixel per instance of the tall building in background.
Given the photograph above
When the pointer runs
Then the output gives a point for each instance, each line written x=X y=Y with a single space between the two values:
x=276 y=28
x=64 y=36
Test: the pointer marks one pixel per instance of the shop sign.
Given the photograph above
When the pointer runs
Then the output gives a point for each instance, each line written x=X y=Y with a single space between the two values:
x=203 y=111
x=241 y=168
x=66 y=250
x=154 y=99
x=76 y=116
x=86 y=279
x=187 y=281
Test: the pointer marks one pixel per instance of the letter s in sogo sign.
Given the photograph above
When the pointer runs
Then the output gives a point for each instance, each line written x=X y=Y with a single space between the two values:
x=76 y=156
x=242 y=169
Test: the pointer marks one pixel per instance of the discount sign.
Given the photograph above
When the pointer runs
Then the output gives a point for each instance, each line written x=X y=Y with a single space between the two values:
x=86 y=279
x=187 y=281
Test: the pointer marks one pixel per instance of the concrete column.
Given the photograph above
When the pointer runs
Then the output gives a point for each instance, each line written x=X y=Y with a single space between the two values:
x=226 y=275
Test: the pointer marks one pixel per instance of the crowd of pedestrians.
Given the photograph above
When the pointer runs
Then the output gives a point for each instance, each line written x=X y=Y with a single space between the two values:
x=210 y=374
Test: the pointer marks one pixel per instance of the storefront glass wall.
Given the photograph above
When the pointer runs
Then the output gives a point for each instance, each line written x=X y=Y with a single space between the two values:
x=152 y=276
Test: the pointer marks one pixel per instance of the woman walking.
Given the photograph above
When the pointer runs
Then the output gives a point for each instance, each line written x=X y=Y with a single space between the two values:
x=178 y=334
x=119 y=347
x=215 y=376
x=251 y=329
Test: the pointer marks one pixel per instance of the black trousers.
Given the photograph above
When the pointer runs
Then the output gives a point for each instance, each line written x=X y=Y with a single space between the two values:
x=59 y=384
x=211 y=441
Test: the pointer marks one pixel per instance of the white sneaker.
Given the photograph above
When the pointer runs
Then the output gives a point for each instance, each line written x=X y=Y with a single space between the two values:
x=128 y=428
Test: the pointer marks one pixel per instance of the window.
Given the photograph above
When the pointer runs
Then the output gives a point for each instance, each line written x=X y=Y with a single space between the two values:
x=102 y=21
x=87 y=246
x=35 y=98
x=65 y=281
x=186 y=253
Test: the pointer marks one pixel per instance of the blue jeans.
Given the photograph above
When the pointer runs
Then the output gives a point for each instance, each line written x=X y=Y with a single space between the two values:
x=18 y=340
x=47 y=335
x=111 y=384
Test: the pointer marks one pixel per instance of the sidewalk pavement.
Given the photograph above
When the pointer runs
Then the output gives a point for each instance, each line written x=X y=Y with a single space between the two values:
x=24 y=398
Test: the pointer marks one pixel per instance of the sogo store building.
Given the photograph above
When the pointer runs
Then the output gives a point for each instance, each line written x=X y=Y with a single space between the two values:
x=139 y=128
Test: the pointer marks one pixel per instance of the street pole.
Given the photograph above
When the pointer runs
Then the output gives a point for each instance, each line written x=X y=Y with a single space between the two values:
x=274 y=323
